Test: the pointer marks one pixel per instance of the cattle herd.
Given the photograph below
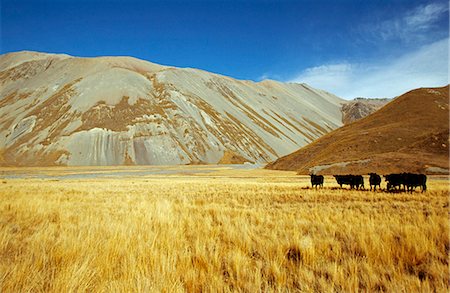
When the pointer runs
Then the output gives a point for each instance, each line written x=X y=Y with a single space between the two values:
x=394 y=182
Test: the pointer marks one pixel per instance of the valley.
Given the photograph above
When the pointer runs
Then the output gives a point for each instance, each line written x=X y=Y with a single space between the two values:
x=229 y=230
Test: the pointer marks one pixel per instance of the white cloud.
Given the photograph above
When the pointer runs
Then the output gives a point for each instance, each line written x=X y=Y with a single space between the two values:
x=426 y=67
x=268 y=75
x=412 y=26
x=331 y=77
x=424 y=16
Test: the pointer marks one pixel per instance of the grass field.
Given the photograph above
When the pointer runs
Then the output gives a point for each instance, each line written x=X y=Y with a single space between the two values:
x=227 y=230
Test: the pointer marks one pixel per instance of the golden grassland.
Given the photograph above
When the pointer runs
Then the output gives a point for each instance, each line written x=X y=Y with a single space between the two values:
x=241 y=230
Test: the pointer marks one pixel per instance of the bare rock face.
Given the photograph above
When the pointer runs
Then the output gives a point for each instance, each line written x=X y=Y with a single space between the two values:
x=360 y=108
x=62 y=110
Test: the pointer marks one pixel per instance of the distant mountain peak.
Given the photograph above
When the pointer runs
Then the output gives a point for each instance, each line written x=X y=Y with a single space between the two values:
x=358 y=108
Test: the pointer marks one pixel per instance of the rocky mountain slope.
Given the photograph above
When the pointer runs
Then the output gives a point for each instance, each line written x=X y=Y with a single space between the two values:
x=411 y=133
x=360 y=108
x=62 y=110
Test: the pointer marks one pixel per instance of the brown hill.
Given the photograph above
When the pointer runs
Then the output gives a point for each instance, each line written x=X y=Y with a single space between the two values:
x=411 y=133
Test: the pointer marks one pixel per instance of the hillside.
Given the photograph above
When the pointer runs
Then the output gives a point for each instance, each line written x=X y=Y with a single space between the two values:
x=64 y=110
x=411 y=133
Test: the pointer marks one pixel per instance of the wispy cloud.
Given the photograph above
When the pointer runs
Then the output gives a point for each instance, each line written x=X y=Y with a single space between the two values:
x=412 y=26
x=424 y=41
x=423 y=17
x=425 y=67
x=268 y=75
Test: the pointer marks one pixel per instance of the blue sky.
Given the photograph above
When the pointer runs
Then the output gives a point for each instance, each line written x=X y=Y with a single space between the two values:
x=348 y=47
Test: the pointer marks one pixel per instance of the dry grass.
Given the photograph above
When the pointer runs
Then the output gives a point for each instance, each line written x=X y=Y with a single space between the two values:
x=215 y=233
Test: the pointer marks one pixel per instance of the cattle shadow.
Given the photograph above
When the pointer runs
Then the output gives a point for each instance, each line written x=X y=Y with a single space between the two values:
x=379 y=190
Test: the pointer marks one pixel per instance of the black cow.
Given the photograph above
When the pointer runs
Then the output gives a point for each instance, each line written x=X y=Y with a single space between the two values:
x=355 y=181
x=358 y=181
x=344 y=180
x=374 y=180
x=316 y=180
x=394 y=181
x=411 y=181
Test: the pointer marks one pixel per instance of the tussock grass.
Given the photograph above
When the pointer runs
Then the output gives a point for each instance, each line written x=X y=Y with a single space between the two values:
x=219 y=234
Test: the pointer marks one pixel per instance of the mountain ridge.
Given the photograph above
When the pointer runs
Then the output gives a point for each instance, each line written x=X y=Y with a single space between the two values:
x=63 y=110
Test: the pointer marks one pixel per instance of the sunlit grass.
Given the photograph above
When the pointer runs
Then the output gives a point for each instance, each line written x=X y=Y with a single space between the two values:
x=215 y=233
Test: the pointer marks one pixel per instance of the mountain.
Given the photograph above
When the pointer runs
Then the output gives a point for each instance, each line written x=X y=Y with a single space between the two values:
x=411 y=133
x=360 y=108
x=63 y=110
